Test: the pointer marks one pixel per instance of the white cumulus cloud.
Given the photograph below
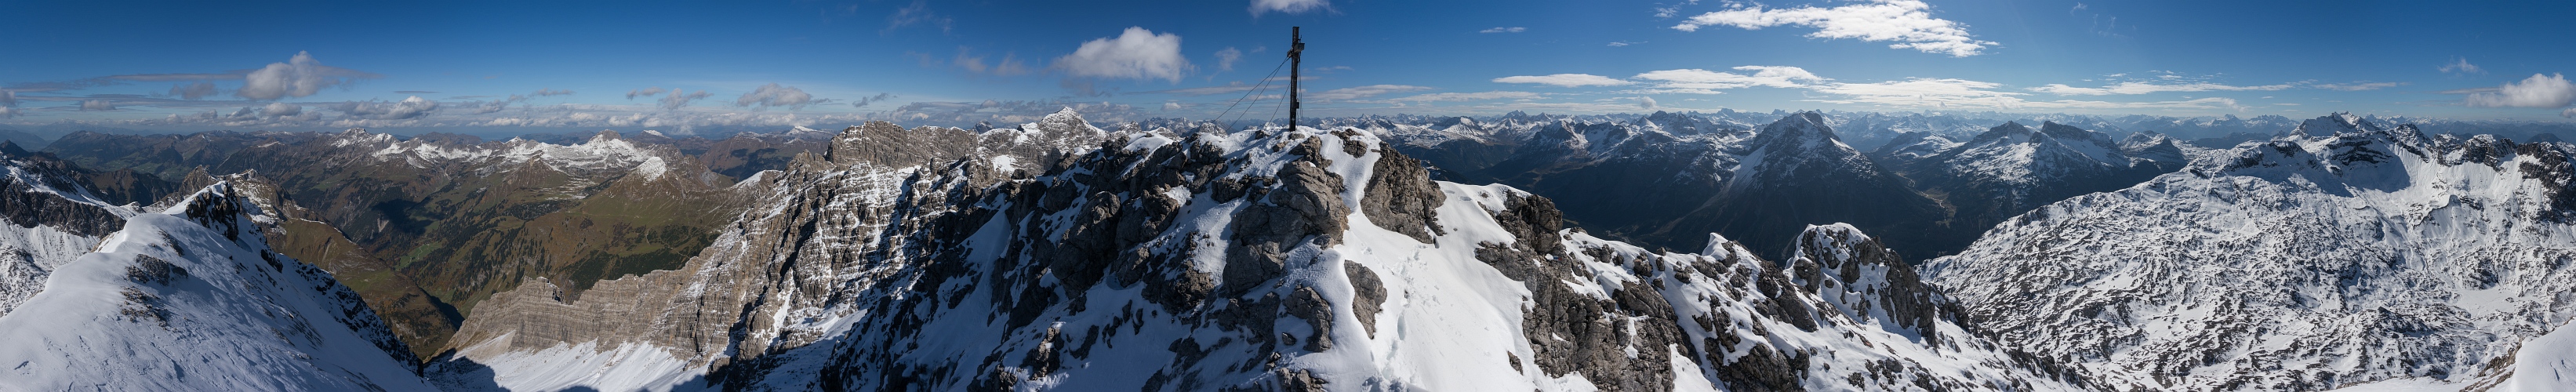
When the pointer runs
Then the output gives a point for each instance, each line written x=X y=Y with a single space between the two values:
x=297 y=77
x=1565 y=80
x=1647 y=103
x=774 y=95
x=1908 y=23
x=1134 y=54
x=2538 y=91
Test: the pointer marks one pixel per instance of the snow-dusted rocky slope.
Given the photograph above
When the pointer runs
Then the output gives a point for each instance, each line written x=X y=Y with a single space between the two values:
x=191 y=298
x=47 y=218
x=2353 y=254
x=1262 y=259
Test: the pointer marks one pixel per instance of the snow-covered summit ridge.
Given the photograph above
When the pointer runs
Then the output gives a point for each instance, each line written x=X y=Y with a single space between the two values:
x=190 y=298
x=1280 y=259
x=48 y=217
x=2357 y=253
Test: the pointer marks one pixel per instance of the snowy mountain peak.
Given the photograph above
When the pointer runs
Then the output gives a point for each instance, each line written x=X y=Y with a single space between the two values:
x=2071 y=134
x=2333 y=124
x=1062 y=121
x=191 y=298
x=2010 y=132
x=1797 y=132
x=2303 y=263
x=1864 y=279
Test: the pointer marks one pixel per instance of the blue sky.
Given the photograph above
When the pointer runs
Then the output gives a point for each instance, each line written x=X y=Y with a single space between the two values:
x=283 y=65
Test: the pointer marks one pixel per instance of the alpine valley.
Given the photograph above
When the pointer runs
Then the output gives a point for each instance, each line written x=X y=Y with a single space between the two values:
x=1726 y=251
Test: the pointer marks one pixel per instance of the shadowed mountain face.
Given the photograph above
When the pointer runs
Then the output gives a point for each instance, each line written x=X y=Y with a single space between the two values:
x=1665 y=178
x=2011 y=169
x=1668 y=179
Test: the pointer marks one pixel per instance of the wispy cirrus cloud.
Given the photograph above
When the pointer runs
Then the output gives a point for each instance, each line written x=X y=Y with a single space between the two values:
x=1946 y=93
x=1225 y=58
x=1565 y=80
x=1363 y=92
x=1513 y=29
x=2460 y=65
x=1908 y=23
x=1701 y=81
x=1289 y=6
x=775 y=95
x=193 y=90
x=1478 y=96
x=1010 y=65
x=917 y=13
x=1235 y=87
x=679 y=99
x=865 y=101
x=2134 y=88
x=2359 y=86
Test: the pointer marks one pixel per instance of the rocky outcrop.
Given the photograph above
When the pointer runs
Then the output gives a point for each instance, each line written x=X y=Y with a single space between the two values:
x=1402 y=198
x=28 y=202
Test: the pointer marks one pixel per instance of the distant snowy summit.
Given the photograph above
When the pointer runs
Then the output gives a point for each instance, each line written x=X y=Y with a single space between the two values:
x=2345 y=252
